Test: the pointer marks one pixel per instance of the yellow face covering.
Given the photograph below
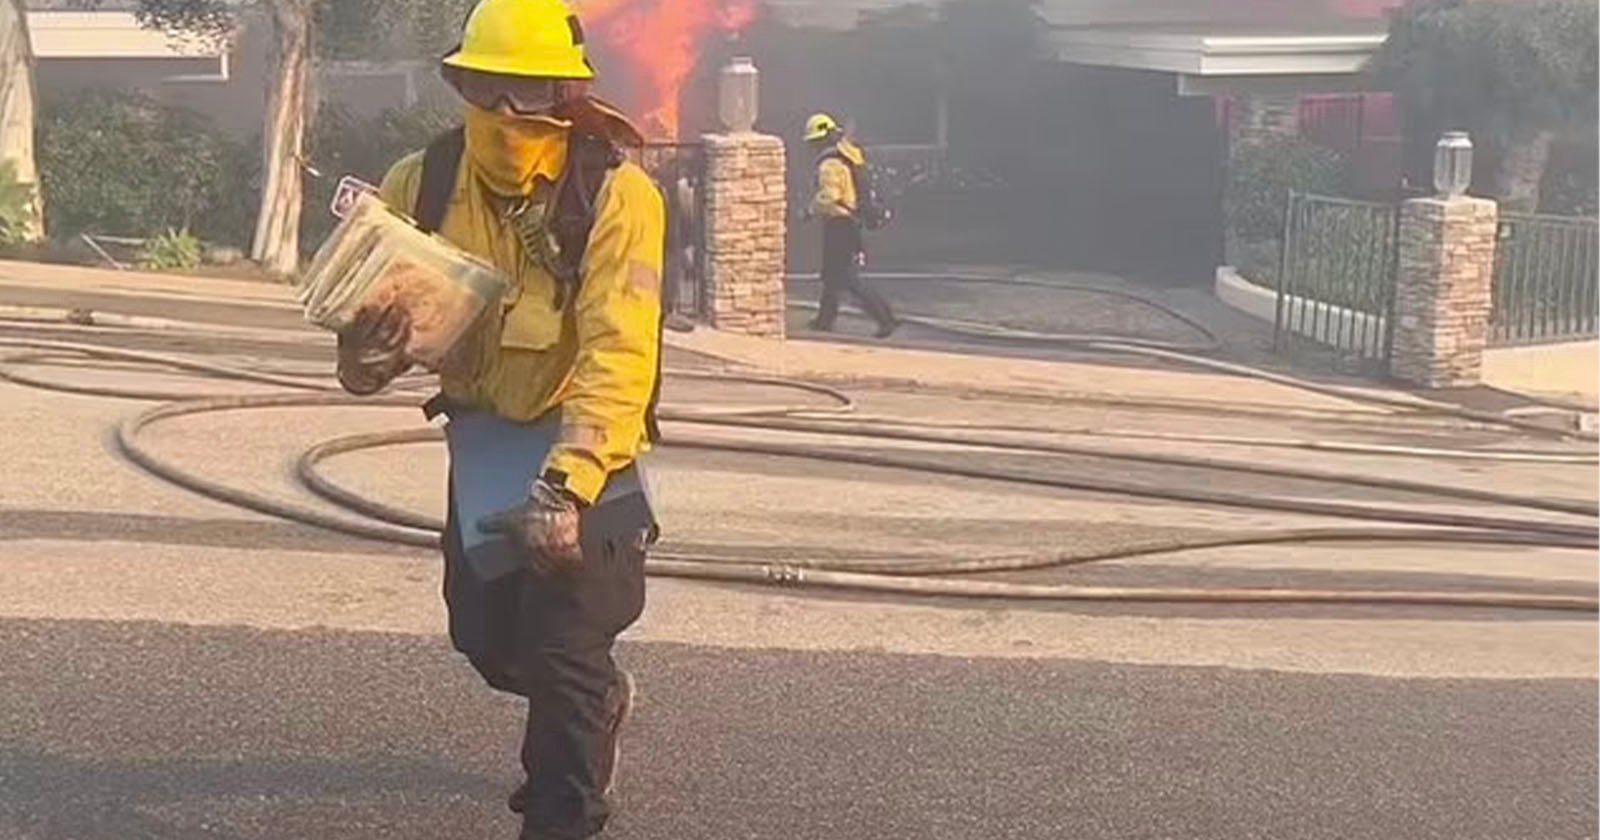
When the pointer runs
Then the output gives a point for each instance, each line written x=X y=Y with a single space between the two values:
x=511 y=153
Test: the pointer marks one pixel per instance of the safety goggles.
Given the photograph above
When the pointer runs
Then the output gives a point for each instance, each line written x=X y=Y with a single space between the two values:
x=519 y=95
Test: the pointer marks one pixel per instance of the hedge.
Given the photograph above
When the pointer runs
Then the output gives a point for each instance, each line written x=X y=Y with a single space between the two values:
x=124 y=164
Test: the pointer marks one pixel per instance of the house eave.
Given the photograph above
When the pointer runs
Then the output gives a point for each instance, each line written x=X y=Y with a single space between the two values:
x=1206 y=54
x=109 y=35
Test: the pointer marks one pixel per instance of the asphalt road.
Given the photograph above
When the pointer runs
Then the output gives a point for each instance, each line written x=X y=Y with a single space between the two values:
x=225 y=734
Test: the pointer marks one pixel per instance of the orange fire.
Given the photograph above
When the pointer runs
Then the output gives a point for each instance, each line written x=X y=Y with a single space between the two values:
x=660 y=41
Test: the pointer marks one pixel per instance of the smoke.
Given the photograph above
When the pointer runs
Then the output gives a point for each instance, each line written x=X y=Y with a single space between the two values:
x=657 y=44
x=1367 y=8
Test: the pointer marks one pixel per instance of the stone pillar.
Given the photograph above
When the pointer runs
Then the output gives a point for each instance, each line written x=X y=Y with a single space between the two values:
x=1443 y=292
x=745 y=211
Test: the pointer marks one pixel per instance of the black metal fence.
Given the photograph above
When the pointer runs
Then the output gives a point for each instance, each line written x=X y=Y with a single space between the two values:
x=1546 y=275
x=679 y=168
x=1336 y=279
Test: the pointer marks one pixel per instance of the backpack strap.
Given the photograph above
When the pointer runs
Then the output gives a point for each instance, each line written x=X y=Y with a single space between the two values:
x=590 y=159
x=833 y=153
x=440 y=165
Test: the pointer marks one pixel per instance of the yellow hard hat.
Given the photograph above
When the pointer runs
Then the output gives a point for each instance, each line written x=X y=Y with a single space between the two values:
x=535 y=38
x=820 y=126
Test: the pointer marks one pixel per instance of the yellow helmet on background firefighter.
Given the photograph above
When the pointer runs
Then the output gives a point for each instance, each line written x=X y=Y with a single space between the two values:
x=821 y=126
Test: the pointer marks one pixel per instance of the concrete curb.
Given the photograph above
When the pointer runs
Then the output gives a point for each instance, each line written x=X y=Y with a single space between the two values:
x=145 y=284
x=1556 y=372
x=1329 y=324
x=102 y=320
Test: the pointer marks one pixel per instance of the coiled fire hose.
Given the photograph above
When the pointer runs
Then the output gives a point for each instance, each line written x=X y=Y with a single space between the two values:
x=910 y=576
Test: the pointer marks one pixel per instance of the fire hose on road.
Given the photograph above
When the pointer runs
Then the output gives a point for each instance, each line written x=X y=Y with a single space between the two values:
x=908 y=576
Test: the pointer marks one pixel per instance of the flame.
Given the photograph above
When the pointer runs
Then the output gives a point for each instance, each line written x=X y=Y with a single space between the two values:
x=660 y=41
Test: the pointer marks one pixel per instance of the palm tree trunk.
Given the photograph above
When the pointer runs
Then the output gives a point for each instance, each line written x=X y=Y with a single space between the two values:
x=18 y=103
x=277 y=236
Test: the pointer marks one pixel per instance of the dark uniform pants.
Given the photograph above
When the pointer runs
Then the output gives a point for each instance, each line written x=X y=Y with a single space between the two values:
x=549 y=639
x=841 y=273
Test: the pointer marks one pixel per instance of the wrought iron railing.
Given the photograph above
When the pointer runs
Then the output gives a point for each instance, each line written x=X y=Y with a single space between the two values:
x=1336 y=278
x=679 y=169
x=1546 y=277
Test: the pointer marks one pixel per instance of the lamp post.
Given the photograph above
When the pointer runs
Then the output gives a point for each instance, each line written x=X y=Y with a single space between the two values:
x=1452 y=164
x=738 y=95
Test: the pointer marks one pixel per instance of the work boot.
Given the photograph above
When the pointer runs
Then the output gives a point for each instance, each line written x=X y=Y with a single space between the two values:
x=622 y=695
x=817 y=326
x=887 y=328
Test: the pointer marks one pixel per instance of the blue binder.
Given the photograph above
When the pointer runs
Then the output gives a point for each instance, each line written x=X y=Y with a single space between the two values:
x=492 y=463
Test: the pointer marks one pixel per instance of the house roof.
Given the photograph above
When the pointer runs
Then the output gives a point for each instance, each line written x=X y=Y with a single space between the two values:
x=1195 y=39
x=1290 y=14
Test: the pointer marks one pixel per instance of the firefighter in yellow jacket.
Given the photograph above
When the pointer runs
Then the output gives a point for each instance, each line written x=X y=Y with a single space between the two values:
x=535 y=183
x=841 y=203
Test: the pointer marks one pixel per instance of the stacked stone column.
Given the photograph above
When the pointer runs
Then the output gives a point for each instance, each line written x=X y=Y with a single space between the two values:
x=1444 y=290
x=745 y=213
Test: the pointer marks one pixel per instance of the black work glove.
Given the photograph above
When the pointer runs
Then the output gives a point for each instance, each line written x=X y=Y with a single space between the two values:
x=545 y=527
x=372 y=350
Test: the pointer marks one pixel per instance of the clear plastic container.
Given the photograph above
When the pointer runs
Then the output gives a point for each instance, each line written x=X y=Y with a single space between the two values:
x=378 y=258
x=738 y=95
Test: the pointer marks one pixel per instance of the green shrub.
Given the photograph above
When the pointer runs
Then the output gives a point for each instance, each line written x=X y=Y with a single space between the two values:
x=172 y=250
x=1261 y=175
x=124 y=164
x=16 y=205
x=1257 y=261
x=344 y=143
x=230 y=217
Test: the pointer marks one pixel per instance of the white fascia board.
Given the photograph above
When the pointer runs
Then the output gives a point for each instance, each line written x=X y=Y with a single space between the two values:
x=108 y=35
x=1199 y=54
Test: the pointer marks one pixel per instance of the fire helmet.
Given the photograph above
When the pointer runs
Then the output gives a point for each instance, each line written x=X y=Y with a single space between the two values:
x=820 y=126
x=530 y=38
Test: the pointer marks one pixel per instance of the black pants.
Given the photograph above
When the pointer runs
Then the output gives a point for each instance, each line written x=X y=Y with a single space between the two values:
x=549 y=639
x=841 y=273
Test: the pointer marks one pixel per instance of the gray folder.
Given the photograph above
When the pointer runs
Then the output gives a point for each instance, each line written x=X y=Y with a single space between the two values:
x=493 y=462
